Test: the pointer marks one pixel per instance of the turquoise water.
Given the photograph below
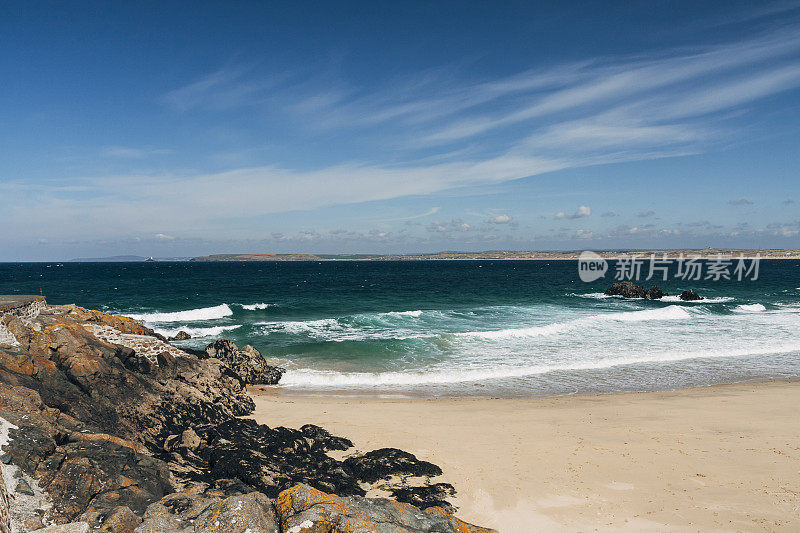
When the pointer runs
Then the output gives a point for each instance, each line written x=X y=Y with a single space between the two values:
x=491 y=328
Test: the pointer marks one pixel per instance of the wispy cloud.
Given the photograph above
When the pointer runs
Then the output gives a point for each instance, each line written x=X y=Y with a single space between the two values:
x=599 y=111
x=429 y=212
x=740 y=202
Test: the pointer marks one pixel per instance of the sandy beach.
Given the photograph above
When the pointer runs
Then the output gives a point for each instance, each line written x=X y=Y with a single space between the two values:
x=722 y=458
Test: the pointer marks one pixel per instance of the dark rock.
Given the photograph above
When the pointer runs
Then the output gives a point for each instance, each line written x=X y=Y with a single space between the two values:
x=5 y=458
x=626 y=289
x=385 y=462
x=427 y=496
x=655 y=293
x=180 y=336
x=303 y=508
x=90 y=476
x=271 y=460
x=247 y=363
x=29 y=446
x=165 y=360
x=323 y=440
x=24 y=488
x=689 y=295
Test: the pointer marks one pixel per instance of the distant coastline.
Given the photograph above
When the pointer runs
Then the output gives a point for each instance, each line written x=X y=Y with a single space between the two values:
x=502 y=255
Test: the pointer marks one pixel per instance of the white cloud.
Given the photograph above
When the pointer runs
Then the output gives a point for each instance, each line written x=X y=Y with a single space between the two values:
x=583 y=211
x=499 y=219
x=163 y=237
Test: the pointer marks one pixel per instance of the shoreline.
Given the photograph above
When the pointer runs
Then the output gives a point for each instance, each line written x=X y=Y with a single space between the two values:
x=719 y=457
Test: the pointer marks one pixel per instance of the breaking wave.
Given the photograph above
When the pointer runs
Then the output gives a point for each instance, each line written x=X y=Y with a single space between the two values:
x=212 y=331
x=256 y=307
x=750 y=308
x=672 y=312
x=191 y=315
x=332 y=379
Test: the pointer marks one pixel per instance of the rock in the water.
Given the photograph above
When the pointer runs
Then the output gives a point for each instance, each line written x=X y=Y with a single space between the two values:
x=689 y=295
x=180 y=336
x=626 y=289
x=305 y=509
x=247 y=363
x=655 y=293
x=24 y=488
x=385 y=462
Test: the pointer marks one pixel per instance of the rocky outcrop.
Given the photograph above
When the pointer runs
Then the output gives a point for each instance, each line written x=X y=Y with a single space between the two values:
x=689 y=295
x=252 y=512
x=303 y=508
x=112 y=375
x=128 y=433
x=626 y=289
x=247 y=363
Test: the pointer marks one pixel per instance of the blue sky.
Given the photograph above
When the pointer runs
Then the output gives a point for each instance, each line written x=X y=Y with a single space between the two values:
x=184 y=128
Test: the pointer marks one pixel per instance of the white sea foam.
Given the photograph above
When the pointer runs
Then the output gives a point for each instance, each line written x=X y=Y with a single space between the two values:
x=256 y=307
x=595 y=295
x=190 y=315
x=212 y=331
x=717 y=300
x=414 y=314
x=750 y=308
x=672 y=312
x=332 y=379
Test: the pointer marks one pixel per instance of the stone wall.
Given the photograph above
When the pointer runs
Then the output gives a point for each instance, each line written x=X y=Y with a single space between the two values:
x=27 y=311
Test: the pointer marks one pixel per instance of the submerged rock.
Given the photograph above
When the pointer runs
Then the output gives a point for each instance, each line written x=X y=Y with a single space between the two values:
x=689 y=295
x=247 y=363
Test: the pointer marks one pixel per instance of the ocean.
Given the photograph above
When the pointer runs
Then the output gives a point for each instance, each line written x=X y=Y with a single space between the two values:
x=450 y=328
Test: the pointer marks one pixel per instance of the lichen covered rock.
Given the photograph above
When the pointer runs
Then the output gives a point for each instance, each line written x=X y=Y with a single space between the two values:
x=247 y=363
